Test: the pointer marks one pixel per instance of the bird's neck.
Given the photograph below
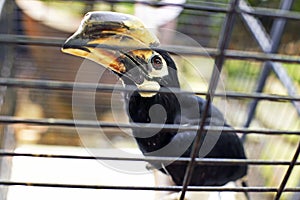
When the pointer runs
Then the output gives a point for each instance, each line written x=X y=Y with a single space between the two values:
x=162 y=108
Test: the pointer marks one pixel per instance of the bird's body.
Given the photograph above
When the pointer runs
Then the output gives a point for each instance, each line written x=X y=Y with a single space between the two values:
x=155 y=70
x=181 y=110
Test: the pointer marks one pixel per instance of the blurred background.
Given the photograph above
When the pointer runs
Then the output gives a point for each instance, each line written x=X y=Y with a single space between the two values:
x=31 y=33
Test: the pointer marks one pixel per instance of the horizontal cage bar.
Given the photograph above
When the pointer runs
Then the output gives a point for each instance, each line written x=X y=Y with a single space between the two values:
x=163 y=127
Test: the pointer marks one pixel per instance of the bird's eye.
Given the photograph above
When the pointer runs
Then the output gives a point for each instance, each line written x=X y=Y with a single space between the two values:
x=156 y=62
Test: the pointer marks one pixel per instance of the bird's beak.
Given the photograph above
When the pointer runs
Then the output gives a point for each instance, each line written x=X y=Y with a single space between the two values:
x=111 y=39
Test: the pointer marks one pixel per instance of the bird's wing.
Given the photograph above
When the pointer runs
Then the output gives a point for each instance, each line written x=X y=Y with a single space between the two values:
x=214 y=145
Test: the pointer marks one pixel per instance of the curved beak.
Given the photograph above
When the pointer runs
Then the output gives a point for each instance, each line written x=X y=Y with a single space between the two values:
x=113 y=40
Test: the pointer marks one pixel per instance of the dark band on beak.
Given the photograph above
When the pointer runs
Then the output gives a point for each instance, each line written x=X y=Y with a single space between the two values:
x=74 y=46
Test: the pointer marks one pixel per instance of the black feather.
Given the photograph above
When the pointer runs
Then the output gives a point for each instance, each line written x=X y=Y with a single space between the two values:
x=170 y=108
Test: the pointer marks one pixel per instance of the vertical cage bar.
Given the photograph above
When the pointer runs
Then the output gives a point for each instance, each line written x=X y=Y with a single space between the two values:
x=276 y=34
x=219 y=60
x=7 y=96
x=288 y=173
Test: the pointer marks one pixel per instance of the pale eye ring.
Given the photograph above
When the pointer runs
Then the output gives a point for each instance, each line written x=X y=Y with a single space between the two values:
x=156 y=62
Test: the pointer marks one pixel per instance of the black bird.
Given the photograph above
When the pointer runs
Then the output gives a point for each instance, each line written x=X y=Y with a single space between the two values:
x=121 y=43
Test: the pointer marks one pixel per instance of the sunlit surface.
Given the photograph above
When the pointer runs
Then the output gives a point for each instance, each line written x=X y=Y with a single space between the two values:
x=71 y=171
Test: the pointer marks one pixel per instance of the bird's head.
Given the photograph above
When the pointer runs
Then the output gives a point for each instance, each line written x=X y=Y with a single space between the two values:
x=121 y=43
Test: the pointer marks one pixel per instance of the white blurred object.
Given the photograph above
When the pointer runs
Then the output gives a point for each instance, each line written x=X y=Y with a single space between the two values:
x=71 y=171
x=52 y=17
x=154 y=17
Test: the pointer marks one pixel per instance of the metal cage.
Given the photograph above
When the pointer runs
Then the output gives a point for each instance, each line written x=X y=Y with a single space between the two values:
x=253 y=54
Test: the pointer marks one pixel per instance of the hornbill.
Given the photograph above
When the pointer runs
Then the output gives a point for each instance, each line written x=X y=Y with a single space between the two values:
x=122 y=44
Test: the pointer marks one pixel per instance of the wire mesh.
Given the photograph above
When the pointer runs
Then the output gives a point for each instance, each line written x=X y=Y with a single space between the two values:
x=36 y=89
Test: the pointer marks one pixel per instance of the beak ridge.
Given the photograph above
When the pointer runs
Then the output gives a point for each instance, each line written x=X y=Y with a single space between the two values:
x=72 y=43
x=110 y=38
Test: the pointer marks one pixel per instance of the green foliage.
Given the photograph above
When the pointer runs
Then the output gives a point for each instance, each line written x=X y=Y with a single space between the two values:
x=238 y=67
x=264 y=3
x=241 y=75
x=239 y=72
x=293 y=71
x=79 y=8
x=272 y=4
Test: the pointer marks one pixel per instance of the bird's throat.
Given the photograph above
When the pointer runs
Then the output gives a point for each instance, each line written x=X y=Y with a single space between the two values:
x=158 y=109
x=151 y=87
